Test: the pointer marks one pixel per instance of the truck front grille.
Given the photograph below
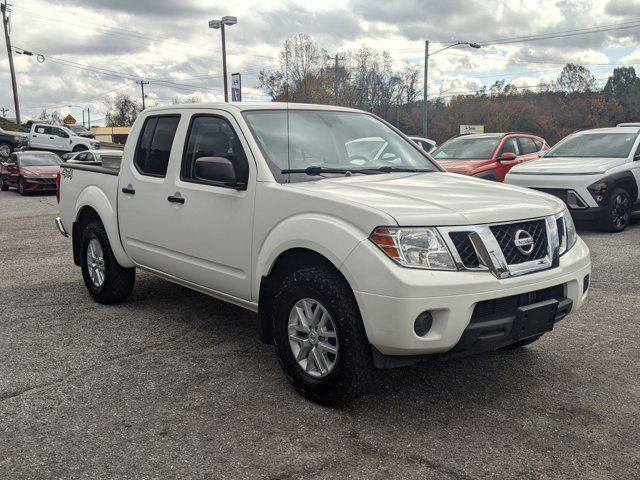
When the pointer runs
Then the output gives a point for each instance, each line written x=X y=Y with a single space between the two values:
x=465 y=249
x=506 y=234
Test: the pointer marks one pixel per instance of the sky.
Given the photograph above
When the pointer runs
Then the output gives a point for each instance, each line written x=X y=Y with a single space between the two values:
x=169 y=44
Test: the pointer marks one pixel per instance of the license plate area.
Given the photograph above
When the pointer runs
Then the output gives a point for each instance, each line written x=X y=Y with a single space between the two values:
x=535 y=319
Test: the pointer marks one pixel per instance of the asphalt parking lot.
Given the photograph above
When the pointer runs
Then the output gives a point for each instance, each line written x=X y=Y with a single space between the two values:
x=174 y=384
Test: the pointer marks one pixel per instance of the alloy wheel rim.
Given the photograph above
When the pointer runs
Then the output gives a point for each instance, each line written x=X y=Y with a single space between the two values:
x=5 y=151
x=95 y=262
x=313 y=338
x=621 y=210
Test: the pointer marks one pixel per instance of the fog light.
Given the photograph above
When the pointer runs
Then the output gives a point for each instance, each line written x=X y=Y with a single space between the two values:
x=423 y=324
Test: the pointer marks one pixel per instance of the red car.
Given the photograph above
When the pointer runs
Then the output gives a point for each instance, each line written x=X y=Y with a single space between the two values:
x=30 y=172
x=488 y=155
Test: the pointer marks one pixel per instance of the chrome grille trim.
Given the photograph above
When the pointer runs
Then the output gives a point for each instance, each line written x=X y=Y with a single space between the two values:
x=490 y=254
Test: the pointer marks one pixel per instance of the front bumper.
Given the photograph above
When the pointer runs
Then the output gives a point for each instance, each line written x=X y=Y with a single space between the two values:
x=390 y=297
x=40 y=184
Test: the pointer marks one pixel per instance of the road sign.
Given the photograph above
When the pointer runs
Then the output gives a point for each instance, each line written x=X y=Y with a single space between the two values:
x=69 y=120
x=466 y=129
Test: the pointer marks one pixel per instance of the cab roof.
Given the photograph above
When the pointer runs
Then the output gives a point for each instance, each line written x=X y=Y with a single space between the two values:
x=246 y=106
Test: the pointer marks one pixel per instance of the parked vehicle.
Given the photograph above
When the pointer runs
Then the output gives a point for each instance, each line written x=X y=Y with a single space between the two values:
x=427 y=144
x=81 y=131
x=488 y=155
x=630 y=124
x=350 y=265
x=30 y=172
x=595 y=172
x=59 y=139
x=10 y=141
x=93 y=156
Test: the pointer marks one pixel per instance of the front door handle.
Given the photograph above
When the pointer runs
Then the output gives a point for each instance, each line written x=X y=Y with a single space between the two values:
x=128 y=190
x=176 y=198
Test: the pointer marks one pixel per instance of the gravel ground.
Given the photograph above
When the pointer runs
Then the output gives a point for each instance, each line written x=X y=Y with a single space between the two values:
x=173 y=384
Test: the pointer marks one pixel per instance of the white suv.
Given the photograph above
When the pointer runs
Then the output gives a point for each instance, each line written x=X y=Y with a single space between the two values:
x=595 y=172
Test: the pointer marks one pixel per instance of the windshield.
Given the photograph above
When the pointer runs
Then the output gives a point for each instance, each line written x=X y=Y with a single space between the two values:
x=77 y=128
x=330 y=139
x=39 y=160
x=465 y=148
x=609 y=145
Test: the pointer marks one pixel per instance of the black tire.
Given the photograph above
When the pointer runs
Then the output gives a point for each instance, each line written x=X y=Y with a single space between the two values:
x=3 y=186
x=80 y=148
x=520 y=344
x=354 y=365
x=21 y=188
x=118 y=282
x=617 y=211
x=7 y=148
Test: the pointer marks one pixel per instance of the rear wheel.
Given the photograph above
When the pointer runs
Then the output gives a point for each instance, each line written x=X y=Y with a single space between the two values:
x=617 y=211
x=319 y=336
x=106 y=280
x=5 y=149
x=3 y=186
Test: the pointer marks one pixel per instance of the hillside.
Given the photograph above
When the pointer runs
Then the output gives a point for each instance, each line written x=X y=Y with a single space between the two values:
x=12 y=127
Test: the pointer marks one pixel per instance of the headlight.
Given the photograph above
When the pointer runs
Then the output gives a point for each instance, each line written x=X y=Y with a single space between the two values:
x=566 y=231
x=17 y=139
x=598 y=191
x=414 y=247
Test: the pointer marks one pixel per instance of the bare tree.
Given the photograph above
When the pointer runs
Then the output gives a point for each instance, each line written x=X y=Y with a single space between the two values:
x=576 y=78
x=121 y=110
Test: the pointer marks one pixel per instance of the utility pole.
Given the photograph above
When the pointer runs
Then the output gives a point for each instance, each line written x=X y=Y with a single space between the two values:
x=89 y=117
x=83 y=118
x=4 y=112
x=142 y=83
x=5 y=23
x=426 y=79
x=336 y=58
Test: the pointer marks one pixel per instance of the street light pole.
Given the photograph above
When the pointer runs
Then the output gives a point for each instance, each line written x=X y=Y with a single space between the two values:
x=220 y=24
x=427 y=55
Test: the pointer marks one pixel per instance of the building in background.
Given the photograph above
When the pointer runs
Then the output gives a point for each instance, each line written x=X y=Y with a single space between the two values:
x=111 y=134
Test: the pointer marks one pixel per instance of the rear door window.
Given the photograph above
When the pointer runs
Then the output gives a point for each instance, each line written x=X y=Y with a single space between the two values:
x=154 y=146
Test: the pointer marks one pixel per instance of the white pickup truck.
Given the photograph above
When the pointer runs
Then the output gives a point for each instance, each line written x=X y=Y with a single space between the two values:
x=352 y=263
x=58 y=138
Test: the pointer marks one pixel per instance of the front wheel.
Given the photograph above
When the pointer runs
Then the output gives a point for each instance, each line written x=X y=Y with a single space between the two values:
x=5 y=149
x=79 y=148
x=3 y=185
x=106 y=280
x=22 y=189
x=617 y=211
x=319 y=336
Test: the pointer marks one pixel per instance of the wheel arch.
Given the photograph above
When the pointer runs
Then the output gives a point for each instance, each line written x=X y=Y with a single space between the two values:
x=93 y=204
x=288 y=261
x=624 y=180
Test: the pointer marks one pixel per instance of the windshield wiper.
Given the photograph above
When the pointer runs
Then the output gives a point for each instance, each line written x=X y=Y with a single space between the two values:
x=390 y=169
x=315 y=171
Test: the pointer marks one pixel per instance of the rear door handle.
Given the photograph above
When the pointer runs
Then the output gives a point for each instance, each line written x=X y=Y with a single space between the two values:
x=176 y=198
x=128 y=190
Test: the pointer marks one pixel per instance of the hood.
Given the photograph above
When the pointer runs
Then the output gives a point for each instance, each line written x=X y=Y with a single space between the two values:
x=47 y=171
x=567 y=166
x=437 y=199
x=465 y=167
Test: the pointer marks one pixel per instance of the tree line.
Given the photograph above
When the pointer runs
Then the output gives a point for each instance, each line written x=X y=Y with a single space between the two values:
x=366 y=79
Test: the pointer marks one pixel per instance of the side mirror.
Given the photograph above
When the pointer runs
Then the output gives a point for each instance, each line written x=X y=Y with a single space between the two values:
x=507 y=157
x=218 y=170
